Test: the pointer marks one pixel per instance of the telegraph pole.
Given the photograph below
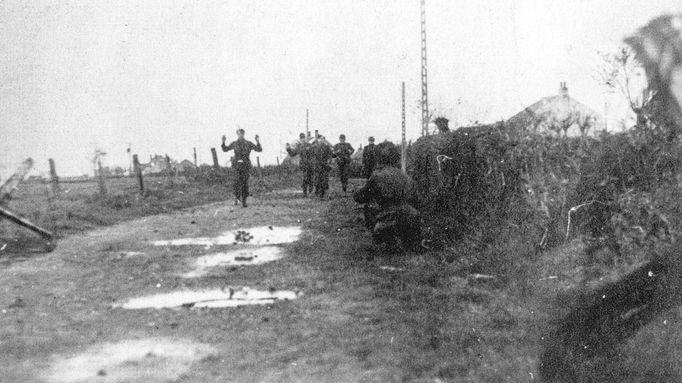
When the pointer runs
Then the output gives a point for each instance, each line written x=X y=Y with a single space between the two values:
x=425 y=97
x=403 y=150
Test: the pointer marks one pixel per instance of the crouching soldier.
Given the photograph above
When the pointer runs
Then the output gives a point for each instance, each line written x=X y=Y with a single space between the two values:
x=388 y=213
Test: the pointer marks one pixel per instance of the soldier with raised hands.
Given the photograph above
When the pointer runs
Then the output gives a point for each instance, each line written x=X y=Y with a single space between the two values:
x=241 y=163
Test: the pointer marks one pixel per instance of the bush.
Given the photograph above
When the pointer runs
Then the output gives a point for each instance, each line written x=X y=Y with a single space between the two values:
x=476 y=182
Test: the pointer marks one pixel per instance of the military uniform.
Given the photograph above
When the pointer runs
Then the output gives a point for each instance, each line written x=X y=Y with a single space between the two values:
x=387 y=211
x=241 y=163
x=304 y=149
x=342 y=152
x=322 y=153
x=369 y=159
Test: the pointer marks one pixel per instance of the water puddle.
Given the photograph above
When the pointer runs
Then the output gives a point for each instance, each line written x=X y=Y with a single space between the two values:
x=131 y=254
x=261 y=235
x=142 y=360
x=241 y=257
x=228 y=297
x=287 y=192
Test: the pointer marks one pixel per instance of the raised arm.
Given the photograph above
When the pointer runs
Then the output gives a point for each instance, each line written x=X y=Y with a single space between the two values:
x=226 y=147
x=257 y=147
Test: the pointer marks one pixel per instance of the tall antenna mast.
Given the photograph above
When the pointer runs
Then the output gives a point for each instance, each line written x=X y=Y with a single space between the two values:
x=425 y=93
x=403 y=147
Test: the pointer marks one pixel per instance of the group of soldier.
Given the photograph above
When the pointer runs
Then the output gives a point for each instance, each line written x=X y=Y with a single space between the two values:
x=315 y=155
x=388 y=194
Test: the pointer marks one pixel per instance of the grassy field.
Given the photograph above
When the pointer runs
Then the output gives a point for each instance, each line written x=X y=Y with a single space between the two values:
x=80 y=207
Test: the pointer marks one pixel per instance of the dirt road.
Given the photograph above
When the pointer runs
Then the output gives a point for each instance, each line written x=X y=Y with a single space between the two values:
x=62 y=318
x=288 y=289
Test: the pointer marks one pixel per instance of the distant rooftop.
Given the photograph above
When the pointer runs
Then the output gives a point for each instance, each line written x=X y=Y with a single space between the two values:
x=558 y=109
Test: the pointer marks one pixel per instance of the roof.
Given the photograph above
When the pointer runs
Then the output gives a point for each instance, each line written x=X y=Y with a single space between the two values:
x=550 y=112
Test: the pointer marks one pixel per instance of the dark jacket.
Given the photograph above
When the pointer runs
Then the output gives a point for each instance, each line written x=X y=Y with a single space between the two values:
x=369 y=159
x=322 y=153
x=242 y=150
x=304 y=149
x=387 y=186
x=342 y=152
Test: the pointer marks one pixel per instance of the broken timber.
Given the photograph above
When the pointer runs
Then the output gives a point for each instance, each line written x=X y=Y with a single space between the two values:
x=14 y=181
x=5 y=192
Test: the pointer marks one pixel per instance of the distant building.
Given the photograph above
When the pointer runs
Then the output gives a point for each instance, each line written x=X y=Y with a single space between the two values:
x=559 y=114
x=158 y=164
x=357 y=156
x=185 y=165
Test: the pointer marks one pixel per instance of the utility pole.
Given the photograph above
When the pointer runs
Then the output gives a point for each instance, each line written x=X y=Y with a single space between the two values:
x=606 y=114
x=307 y=132
x=130 y=160
x=425 y=97
x=403 y=150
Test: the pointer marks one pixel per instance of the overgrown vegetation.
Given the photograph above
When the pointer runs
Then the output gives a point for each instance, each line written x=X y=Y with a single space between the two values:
x=602 y=213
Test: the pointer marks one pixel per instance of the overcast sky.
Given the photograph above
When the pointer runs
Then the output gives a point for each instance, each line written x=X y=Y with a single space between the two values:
x=166 y=76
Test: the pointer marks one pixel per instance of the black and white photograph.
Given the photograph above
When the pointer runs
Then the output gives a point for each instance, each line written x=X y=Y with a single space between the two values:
x=315 y=191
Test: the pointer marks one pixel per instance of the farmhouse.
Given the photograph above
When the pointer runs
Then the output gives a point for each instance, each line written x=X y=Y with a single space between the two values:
x=158 y=163
x=185 y=165
x=559 y=114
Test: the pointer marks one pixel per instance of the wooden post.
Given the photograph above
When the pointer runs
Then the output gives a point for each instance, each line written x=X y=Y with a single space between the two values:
x=54 y=180
x=8 y=214
x=100 y=179
x=215 y=159
x=14 y=181
x=196 y=165
x=169 y=171
x=260 y=171
x=5 y=192
x=138 y=172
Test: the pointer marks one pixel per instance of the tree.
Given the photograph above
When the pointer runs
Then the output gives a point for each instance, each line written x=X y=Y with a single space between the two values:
x=621 y=72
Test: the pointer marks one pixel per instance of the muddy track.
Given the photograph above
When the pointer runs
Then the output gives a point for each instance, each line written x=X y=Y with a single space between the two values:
x=64 y=315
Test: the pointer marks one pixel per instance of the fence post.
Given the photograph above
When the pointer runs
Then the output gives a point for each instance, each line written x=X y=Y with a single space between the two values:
x=169 y=171
x=138 y=172
x=215 y=159
x=53 y=177
x=100 y=178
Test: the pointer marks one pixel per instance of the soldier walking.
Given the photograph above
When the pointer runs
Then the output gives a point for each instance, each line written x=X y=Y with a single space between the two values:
x=304 y=149
x=342 y=151
x=241 y=163
x=369 y=158
x=322 y=153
